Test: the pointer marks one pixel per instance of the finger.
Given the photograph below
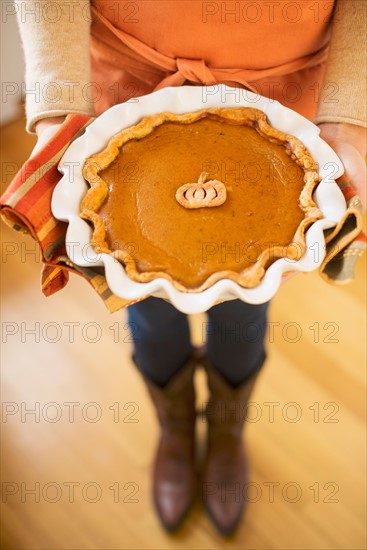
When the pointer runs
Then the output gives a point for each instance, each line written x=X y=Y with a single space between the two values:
x=355 y=170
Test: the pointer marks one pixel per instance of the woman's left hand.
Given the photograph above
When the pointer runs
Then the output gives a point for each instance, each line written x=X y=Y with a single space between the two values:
x=350 y=144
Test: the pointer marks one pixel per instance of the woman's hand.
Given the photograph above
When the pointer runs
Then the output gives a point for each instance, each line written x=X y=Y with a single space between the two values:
x=350 y=144
x=45 y=129
x=45 y=123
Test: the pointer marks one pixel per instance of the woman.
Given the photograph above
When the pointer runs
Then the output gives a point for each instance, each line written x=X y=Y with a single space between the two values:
x=83 y=57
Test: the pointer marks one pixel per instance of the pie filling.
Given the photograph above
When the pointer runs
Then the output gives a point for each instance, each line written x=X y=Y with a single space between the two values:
x=142 y=217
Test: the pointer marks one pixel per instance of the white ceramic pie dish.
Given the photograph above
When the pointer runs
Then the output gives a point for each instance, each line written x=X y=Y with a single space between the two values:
x=72 y=187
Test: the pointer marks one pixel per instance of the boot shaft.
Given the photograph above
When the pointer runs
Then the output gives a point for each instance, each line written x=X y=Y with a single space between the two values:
x=175 y=402
x=227 y=406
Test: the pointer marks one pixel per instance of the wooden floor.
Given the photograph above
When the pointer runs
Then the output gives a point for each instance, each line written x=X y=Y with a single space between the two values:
x=76 y=470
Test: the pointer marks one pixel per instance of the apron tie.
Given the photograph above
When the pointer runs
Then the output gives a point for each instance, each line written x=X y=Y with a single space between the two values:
x=195 y=70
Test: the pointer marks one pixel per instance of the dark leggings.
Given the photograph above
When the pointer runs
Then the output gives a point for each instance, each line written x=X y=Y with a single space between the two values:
x=234 y=333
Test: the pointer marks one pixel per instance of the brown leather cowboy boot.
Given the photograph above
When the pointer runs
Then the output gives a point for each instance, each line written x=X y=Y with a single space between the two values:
x=174 y=478
x=225 y=468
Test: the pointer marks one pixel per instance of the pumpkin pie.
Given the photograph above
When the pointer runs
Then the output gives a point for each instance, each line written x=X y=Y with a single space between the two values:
x=198 y=197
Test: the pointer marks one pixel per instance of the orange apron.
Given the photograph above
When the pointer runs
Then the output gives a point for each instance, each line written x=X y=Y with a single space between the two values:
x=278 y=49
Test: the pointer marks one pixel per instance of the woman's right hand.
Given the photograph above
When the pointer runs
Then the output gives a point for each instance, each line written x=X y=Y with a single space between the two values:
x=45 y=123
x=45 y=129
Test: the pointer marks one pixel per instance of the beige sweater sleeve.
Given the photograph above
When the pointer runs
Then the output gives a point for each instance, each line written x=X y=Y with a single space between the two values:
x=55 y=37
x=346 y=73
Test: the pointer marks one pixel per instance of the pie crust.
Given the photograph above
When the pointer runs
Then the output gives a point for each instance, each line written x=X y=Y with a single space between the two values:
x=251 y=275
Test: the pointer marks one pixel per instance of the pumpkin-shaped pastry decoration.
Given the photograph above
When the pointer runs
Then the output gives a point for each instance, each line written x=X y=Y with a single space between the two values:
x=202 y=194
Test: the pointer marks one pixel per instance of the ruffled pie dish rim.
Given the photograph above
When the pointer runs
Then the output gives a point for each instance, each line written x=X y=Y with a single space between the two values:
x=72 y=188
x=251 y=276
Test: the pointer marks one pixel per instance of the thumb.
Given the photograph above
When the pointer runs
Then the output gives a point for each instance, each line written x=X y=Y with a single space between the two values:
x=355 y=169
